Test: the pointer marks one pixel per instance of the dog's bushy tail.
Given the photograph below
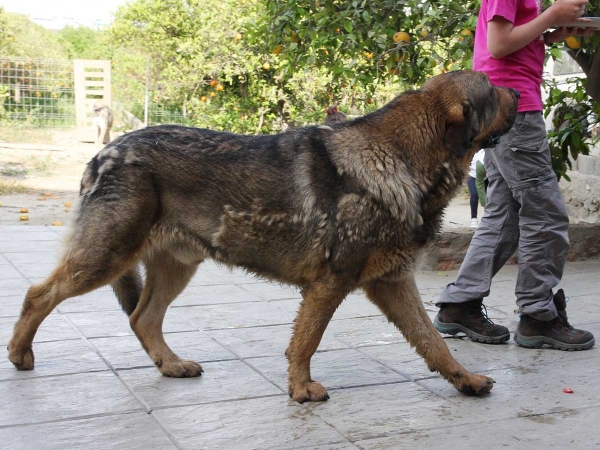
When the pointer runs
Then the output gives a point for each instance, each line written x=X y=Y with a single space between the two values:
x=128 y=288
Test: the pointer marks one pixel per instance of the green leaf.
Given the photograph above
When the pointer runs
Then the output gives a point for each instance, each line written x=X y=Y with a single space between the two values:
x=348 y=26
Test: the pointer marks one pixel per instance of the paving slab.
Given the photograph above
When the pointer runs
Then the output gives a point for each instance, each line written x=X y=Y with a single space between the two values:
x=119 y=431
x=280 y=424
x=55 y=358
x=234 y=315
x=221 y=381
x=94 y=387
x=10 y=305
x=403 y=359
x=507 y=435
x=62 y=397
x=126 y=352
x=375 y=411
x=116 y=323
x=267 y=341
x=215 y=294
x=54 y=328
x=542 y=394
x=334 y=369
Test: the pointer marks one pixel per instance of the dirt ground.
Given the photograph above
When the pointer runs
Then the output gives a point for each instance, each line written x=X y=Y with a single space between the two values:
x=40 y=181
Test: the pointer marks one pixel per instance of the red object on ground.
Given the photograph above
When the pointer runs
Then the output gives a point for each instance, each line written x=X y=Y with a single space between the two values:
x=568 y=391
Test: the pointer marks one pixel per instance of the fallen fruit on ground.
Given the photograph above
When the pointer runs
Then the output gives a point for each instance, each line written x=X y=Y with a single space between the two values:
x=68 y=204
x=58 y=223
x=24 y=217
x=24 y=210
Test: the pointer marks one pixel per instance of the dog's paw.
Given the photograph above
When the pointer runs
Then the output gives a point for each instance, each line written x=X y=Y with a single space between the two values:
x=308 y=392
x=476 y=385
x=182 y=368
x=22 y=360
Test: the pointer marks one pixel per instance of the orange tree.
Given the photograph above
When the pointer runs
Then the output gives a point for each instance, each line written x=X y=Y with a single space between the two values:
x=205 y=55
x=369 y=44
x=576 y=104
x=365 y=43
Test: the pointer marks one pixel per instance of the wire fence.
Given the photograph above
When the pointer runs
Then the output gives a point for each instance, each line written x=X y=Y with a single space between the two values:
x=37 y=92
x=40 y=93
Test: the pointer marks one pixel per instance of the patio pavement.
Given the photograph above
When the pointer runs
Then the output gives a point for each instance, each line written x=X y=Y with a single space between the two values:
x=93 y=387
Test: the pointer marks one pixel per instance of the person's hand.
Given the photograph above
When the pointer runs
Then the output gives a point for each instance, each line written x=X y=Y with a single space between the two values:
x=569 y=10
x=560 y=34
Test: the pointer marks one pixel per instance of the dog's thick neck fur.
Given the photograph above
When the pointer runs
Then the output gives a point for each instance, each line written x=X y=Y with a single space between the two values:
x=385 y=164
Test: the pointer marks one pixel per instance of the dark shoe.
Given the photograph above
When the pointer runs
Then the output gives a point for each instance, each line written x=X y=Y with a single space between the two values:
x=556 y=333
x=470 y=318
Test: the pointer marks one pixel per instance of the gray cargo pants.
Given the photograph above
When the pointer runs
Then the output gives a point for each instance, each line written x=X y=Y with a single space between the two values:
x=525 y=210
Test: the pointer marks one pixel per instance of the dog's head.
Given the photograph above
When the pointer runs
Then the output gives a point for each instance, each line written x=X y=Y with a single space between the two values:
x=477 y=112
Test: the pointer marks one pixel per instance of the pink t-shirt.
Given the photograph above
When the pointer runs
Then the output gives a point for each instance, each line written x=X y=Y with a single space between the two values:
x=521 y=70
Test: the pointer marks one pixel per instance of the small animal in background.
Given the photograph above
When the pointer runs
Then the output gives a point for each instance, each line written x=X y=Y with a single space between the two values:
x=332 y=115
x=102 y=124
x=133 y=123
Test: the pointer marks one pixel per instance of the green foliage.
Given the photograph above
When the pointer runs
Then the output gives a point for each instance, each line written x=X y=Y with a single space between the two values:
x=576 y=104
x=21 y=37
x=83 y=43
x=355 y=40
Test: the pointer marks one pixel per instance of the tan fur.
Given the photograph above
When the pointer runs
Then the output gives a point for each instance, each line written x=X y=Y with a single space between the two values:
x=329 y=209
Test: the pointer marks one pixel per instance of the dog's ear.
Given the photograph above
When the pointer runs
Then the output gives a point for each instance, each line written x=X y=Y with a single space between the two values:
x=461 y=128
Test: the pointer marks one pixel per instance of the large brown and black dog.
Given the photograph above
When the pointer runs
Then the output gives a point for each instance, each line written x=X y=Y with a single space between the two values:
x=328 y=209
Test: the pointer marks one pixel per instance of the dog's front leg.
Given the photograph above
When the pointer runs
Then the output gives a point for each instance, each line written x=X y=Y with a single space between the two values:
x=320 y=300
x=401 y=303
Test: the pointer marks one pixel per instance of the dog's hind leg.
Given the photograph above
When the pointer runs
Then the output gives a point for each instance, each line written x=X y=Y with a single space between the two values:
x=320 y=300
x=166 y=277
x=83 y=268
x=401 y=303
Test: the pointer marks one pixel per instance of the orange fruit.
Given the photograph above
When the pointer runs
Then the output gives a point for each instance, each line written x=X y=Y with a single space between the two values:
x=266 y=66
x=203 y=98
x=464 y=34
x=212 y=95
x=24 y=218
x=68 y=204
x=401 y=36
x=573 y=42
x=238 y=36
x=220 y=87
x=57 y=223
x=213 y=83
x=277 y=49
x=424 y=32
x=24 y=210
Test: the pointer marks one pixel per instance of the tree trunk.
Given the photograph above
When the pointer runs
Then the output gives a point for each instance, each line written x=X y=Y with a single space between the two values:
x=592 y=85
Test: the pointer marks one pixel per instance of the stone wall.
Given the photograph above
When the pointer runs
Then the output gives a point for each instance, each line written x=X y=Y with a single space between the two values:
x=582 y=193
x=448 y=251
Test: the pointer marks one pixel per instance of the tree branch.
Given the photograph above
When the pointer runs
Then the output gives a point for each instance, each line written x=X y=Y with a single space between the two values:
x=592 y=84
x=582 y=59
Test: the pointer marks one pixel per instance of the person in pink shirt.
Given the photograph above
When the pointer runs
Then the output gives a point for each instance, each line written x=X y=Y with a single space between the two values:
x=525 y=209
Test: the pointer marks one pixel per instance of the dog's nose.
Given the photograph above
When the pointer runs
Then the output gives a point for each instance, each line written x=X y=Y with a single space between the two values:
x=517 y=93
